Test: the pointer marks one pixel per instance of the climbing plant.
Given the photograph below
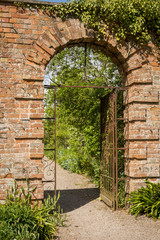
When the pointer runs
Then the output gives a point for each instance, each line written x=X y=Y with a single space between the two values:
x=137 y=21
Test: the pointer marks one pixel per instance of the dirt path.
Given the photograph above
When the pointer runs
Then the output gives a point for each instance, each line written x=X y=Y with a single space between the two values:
x=90 y=219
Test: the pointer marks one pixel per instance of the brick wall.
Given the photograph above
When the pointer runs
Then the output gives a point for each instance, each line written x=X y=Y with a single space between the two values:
x=29 y=39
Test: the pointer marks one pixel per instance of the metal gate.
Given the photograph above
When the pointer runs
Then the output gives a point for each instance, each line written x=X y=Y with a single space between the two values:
x=111 y=166
x=114 y=149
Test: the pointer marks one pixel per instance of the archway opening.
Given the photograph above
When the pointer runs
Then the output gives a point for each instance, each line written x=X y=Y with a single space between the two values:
x=80 y=77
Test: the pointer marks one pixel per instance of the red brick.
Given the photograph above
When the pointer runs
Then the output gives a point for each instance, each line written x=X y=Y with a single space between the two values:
x=12 y=35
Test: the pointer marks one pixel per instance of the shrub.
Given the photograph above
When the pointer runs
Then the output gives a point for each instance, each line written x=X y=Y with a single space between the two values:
x=22 y=220
x=146 y=200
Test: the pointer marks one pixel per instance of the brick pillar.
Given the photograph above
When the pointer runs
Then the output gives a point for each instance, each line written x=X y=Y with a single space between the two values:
x=144 y=124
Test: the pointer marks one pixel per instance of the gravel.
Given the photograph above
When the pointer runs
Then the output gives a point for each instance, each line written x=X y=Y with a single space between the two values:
x=88 y=218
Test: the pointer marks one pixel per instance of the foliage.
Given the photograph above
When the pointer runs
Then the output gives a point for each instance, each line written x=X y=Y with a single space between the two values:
x=146 y=200
x=20 y=219
x=121 y=193
x=78 y=110
x=137 y=21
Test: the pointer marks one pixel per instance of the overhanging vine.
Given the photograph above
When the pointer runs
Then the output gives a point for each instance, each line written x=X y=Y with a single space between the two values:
x=137 y=21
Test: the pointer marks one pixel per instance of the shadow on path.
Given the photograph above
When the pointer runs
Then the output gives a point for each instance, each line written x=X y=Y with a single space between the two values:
x=71 y=199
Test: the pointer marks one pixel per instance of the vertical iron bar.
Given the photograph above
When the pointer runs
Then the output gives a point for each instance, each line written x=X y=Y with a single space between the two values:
x=101 y=146
x=85 y=62
x=113 y=128
x=55 y=143
x=116 y=150
x=127 y=158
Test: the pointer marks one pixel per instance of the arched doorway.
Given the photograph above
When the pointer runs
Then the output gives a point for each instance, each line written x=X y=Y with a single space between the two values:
x=68 y=68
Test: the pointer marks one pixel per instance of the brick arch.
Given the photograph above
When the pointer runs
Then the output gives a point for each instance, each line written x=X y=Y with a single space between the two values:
x=55 y=39
x=29 y=40
x=72 y=32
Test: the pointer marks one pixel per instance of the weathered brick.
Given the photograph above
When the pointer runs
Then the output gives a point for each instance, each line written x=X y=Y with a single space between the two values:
x=5 y=15
x=143 y=169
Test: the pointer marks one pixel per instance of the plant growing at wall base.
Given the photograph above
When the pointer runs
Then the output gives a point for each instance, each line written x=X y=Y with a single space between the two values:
x=22 y=220
x=146 y=200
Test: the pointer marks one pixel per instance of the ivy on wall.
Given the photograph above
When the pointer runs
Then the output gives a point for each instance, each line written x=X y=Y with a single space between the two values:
x=137 y=21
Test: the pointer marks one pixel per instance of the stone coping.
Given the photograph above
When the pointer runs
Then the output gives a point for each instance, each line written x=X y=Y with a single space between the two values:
x=31 y=1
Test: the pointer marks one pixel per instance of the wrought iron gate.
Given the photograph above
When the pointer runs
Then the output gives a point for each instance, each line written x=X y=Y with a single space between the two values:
x=111 y=164
x=114 y=150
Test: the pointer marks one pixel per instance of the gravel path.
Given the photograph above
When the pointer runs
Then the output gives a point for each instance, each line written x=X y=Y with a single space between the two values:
x=90 y=219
